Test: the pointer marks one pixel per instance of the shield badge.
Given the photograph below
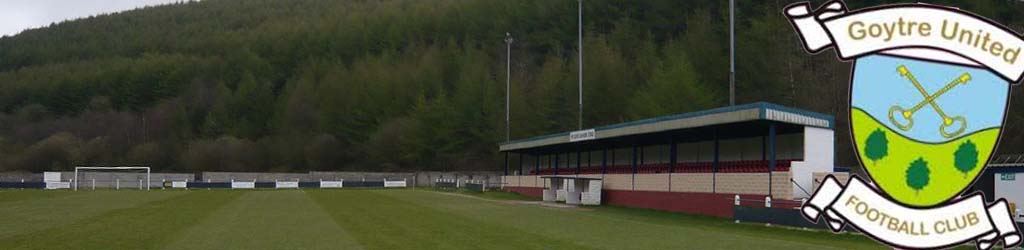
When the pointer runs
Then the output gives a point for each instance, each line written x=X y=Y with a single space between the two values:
x=924 y=128
x=929 y=92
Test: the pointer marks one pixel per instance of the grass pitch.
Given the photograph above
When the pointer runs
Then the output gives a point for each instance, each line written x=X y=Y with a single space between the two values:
x=365 y=219
x=945 y=180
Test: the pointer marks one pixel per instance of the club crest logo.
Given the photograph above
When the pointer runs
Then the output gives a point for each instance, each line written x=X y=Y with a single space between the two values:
x=928 y=96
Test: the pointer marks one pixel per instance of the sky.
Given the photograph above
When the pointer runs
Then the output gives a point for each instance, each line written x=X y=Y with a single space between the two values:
x=18 y=15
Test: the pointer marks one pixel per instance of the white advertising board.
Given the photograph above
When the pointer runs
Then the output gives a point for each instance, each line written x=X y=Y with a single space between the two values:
x=388 y=184
x=179 y=184
x=582 y=135
x=287 y=184
x=243 y=185
x=58 y=185
x=330 y=184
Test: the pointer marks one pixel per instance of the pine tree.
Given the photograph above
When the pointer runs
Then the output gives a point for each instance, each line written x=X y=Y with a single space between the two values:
x=966 y=157
x=675 y=87
x=877 y=146
x=918 y=174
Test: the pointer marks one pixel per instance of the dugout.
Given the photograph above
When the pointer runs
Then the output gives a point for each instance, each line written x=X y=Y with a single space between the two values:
x=1003 y=178
x=692 y=162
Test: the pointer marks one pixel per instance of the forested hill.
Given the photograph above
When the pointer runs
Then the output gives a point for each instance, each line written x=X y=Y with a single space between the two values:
x=289 y=85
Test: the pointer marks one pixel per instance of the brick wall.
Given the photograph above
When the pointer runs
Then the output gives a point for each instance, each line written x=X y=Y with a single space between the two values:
x=782 y=188
x=618 y=182
x=692 y=182
x=742 y=183
x=842 y=177
x=679 y=192
x=724 y=183
x=530 y=181
x=651 y=182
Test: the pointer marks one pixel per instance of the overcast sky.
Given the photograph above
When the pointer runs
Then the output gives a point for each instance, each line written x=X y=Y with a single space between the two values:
x=18 y=15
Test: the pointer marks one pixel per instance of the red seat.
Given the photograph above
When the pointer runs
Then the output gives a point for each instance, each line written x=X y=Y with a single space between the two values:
x=744 y=166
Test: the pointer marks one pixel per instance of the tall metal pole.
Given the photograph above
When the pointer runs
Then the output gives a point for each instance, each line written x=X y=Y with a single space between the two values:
x=508 y=86
x=580 y=52
x=732 y=52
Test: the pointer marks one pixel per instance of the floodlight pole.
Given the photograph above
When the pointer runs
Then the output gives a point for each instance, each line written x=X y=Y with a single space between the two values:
x=732 y=52
x=580 y=52
x=508 y=86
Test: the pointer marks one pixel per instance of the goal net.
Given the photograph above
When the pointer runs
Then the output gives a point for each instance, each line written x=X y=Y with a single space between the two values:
x=134 y=177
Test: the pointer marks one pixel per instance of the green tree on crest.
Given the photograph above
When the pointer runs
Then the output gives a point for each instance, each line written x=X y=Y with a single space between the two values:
x=918 y=174
x=966 y=157
x=877 y=146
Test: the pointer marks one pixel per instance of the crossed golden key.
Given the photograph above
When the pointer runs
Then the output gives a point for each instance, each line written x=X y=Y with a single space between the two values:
x=907 y=114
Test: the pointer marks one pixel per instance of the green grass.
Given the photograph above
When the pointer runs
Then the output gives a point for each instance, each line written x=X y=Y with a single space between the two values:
x=366 y=219
x=945 y=180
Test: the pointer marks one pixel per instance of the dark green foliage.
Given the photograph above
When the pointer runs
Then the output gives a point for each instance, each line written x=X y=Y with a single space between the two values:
x=918 y=174
x=294 y=85
x=877 y=146
x=966 y=157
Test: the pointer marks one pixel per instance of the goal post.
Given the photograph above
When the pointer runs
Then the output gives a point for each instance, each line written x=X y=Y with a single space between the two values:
x=139 y=169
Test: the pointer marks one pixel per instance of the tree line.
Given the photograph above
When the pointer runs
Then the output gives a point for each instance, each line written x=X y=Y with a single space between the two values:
x=390 y=85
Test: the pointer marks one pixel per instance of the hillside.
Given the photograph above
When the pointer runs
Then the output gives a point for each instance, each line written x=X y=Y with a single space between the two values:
x=295 y=85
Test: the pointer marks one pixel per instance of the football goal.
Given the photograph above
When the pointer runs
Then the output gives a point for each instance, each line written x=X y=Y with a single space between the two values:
x=112 y=177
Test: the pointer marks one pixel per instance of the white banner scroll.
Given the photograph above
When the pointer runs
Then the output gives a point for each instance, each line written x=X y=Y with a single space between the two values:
x=922 y=29
x=965 y=220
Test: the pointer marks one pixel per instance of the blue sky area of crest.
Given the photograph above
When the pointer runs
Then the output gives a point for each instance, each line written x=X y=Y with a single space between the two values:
x=877 y=86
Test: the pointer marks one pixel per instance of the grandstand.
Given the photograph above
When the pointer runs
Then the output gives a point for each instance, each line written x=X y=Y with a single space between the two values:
x=695 y=162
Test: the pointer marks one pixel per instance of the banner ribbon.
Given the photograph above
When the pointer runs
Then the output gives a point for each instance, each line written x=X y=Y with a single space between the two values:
x=965 y=220
x=918 y=29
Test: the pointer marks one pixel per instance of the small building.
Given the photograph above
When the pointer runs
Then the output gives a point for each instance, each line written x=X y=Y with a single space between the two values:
x=692 y=162
x=1000 y=180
